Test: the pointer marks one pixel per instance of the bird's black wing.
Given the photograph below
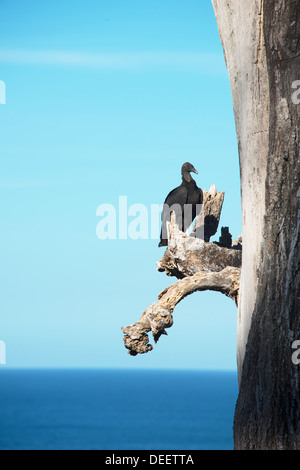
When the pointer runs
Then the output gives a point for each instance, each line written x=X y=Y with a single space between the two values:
x=177 y=196
x=174 y=201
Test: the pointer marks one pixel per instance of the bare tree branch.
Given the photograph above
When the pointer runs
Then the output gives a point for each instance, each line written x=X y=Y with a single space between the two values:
x=198 y=264
x=159 y=315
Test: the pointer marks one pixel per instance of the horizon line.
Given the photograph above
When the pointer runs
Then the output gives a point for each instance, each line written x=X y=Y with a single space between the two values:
x=118 y=368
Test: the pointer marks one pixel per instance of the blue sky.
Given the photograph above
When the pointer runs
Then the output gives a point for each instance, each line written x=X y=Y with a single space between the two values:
x=107 y=99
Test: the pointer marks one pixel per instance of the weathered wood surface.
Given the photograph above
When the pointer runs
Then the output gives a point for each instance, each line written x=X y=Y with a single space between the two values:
x=198 y=265
x=159 y=315
x=186 y=256
x=261 y=41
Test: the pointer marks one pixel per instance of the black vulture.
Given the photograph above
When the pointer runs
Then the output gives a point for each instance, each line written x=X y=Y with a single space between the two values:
x=183 y=201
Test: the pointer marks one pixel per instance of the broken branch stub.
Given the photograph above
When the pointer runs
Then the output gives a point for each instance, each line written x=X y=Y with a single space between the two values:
x=212 y=206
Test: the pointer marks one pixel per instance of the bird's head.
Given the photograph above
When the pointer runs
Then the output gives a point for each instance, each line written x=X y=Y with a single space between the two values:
x=187 y=168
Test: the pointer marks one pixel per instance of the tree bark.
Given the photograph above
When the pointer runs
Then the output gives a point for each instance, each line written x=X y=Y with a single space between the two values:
x=262 y=51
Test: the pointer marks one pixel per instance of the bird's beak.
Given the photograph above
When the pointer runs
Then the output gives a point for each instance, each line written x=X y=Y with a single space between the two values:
x=195 y=171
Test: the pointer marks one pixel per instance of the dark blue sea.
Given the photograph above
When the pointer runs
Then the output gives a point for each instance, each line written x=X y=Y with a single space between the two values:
x=78 y=409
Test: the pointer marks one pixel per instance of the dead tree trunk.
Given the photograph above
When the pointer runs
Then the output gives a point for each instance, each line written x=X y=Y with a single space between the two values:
x=261 y=41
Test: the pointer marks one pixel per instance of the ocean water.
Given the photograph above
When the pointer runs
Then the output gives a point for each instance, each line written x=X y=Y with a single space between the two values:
x=79 y=409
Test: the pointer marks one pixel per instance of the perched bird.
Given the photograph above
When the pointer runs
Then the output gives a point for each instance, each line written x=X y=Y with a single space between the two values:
x=183 y=201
